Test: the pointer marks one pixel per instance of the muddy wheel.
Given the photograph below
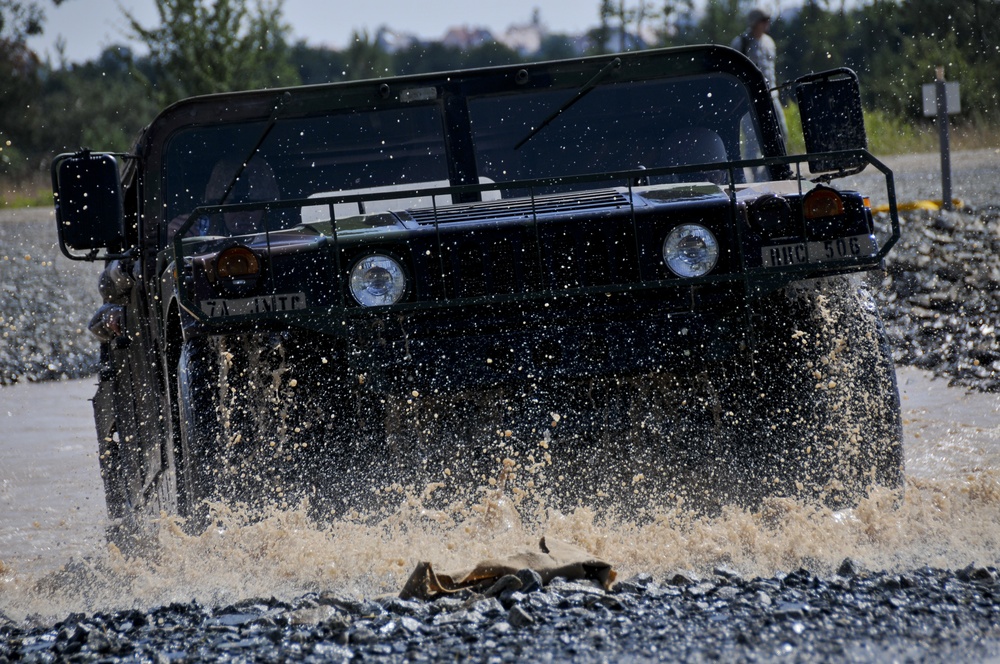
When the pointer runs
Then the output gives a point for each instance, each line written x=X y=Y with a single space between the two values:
x=266 y=422
x=200 y=430
x=828 y=410
x=137 y=468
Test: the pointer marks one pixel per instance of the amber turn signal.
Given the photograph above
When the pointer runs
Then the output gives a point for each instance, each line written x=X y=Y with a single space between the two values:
x=822 y=202
x=236 y=262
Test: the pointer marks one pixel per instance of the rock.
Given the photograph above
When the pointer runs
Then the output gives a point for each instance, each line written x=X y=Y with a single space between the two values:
x=682 y=579
x=332 y=652
x=847 y=568
x=727 y=574
x=573 y=587
x=518 y=617
x=488 y=607
x=310 y=616
x=974 y=573
x=531 y=581
x=890 y=583
x=404 y=607
x=791 y=610
x=701 y=589
x=513 y=597
x=362 y=636
x=506 y=583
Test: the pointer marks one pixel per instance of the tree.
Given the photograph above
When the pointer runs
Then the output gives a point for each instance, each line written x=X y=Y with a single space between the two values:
x=366 y=58
x=20 y=19
x=722 y=21
x=20 y=84
x=206 y=46
x=677 y=17
x=621 y=27
x=71 y=116
x=318 y=64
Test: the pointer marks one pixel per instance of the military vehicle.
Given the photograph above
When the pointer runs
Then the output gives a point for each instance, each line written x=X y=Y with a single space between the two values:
x=597 y=278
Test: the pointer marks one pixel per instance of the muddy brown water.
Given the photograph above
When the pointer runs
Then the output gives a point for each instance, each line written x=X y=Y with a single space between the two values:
x=54 y=559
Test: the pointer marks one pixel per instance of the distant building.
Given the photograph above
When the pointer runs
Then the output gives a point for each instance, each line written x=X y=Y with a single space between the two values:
x=465 y=38
x=526 y=38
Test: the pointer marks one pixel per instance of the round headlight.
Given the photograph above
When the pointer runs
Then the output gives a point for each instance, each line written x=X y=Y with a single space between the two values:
x=377 y=280
x=690 y=250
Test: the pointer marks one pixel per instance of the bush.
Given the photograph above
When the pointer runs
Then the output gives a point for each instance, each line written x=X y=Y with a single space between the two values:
x=892 y=135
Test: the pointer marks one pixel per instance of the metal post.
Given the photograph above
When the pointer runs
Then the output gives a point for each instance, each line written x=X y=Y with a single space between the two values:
x=942 y=118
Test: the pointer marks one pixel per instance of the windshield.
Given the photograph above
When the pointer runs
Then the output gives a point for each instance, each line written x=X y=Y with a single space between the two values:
x=616 y=126
x=302 y=157
x=619 y=126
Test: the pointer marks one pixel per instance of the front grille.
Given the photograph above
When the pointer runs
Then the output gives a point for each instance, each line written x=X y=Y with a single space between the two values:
x=492 y=263
x=529 y=258
x=523 y=208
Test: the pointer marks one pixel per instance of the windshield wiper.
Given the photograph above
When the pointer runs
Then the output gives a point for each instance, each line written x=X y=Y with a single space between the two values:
x=587 y=87
x=278 y=107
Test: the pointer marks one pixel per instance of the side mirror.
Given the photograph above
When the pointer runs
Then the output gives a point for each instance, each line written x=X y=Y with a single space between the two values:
x=89 y=210
x=832 y=120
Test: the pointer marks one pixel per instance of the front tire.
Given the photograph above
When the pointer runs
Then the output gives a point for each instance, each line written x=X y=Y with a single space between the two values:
x=829 y=420
x=200 y=429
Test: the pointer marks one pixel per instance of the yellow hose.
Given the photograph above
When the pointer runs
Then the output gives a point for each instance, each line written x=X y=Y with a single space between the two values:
x=919 y=205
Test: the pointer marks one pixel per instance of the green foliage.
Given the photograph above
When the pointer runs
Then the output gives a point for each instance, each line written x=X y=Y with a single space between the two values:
x=317 y=65
x=106 y=121
x=895 y=45
x=19 y=86
x=36 y=194
x=20 y=19
x=887 y=134
x=201 y=48
x=620 y=19
x=422 y=58
x=794 y=142
x=204 y=46
x=723 y=21
x=365 y=58
x=890 y=134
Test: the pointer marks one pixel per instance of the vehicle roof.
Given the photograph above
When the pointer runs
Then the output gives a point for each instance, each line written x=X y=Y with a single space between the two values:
x=393 y=91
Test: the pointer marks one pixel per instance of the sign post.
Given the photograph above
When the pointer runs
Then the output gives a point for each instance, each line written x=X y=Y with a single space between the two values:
x=941 y=98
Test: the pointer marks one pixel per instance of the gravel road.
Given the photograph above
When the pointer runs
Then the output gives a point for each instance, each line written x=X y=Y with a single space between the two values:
x=916 y=581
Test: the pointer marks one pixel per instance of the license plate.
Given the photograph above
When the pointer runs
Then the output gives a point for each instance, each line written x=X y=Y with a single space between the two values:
x=262 y=304
x=822 y=251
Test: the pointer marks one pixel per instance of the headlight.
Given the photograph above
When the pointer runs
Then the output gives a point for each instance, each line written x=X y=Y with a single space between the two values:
x=377 y=280
x=772 y=215
x=690 y=250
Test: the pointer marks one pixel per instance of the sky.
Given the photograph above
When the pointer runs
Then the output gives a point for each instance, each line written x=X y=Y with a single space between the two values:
x=89 y=26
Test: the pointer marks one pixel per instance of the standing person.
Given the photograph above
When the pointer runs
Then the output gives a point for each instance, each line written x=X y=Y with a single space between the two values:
x=757 y=45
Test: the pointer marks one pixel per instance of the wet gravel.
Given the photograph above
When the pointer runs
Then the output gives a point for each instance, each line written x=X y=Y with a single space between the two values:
x=941 y=295
x=46 y=301
x=850 y=616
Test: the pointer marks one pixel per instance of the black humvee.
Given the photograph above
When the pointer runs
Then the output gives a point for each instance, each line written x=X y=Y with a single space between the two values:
x=592 y=279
